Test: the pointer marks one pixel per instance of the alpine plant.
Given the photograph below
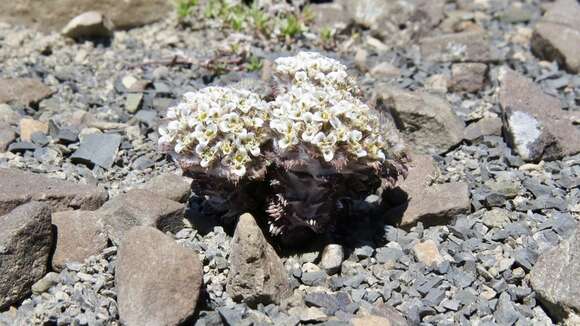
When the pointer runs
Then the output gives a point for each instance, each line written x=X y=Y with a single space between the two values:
x=299 y=159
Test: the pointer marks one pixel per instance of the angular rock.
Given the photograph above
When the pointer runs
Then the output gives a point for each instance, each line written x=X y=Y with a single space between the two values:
x=91 y=24
x=28 y=127
x=21 y=187
x=158 y=282
x=417 y=200
x=557 y=35
x=80 y=234
x=470 y=46
x=133 y=102
x=25 y=242
x=426 y=121
x=488 y=126
x=8 y=115
x=555 y=277
x=257 y=274
x=7 y=136
x=53 y=15
x=537 y=128
x=332 y=257
x=428 y=253
x=23 y=91
x=97 y=149
x=468 y=77
x=140 y=208
x=170 y=186
x=397 y=21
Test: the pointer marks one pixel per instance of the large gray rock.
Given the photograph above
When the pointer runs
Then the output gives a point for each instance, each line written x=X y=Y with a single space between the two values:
x=557 y=35
x=170 y=186
x=158 y=281
x=555 y=277
x=417 y=199
x=469 y=46
x=80 y=234
x=426 y=121
x=53 y=15
x=140 y=207
x=23 y=91
x=25 y=242
x=537 y=127
x=91 y=24
x=257 y=274
x=20 y=187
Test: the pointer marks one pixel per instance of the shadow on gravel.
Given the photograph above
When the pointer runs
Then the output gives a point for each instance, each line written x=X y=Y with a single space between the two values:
x=363 y=225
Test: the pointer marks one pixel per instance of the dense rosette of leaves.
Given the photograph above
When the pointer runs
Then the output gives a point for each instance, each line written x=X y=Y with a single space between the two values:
x=300 y=158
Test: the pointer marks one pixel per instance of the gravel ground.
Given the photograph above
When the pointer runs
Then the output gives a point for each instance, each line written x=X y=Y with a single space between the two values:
x=474 y=268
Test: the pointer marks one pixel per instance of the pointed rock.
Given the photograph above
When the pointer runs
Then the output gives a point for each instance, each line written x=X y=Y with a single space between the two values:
x=25 y=242
x=257 y=274
x=158 y=281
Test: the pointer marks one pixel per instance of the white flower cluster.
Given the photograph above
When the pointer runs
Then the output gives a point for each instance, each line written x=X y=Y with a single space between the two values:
x=319 y=108
x=219 y=127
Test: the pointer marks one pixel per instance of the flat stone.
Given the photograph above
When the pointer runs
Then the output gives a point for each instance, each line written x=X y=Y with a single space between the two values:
x=417 y=200
x=158 y=282
x=469 y=46
x=25 y=243
x=91 y=24
x=97 y=149
x=170 y=186
x=257 y=274
x=332 y=257
x=426 y=121
x=7 y=136
x=133 y=102
x=488 y=126
x=322 y=300
x=468 y=77
x=23 y=91
x=428 y=253
x=20 y=187
x=385 y=70
x=80 y=234
x=557 y=35
x=54 y=15
x=30 y=126
x=537 y=127
x=555 y=277
x=140 y=208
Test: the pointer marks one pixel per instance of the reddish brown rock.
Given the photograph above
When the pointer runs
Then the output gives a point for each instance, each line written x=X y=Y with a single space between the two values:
x=80 y=234
x=468 y=77
x=537 y=127
x=417 y=199
x=24 y=91
x=426 y=121
x=557 y=35
x=170 y=186
x=25 y=243
x=30 y=126
x=158 y=281
x=488 y=126
x=20 y=187
x=140 y=208
x=257 y=274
